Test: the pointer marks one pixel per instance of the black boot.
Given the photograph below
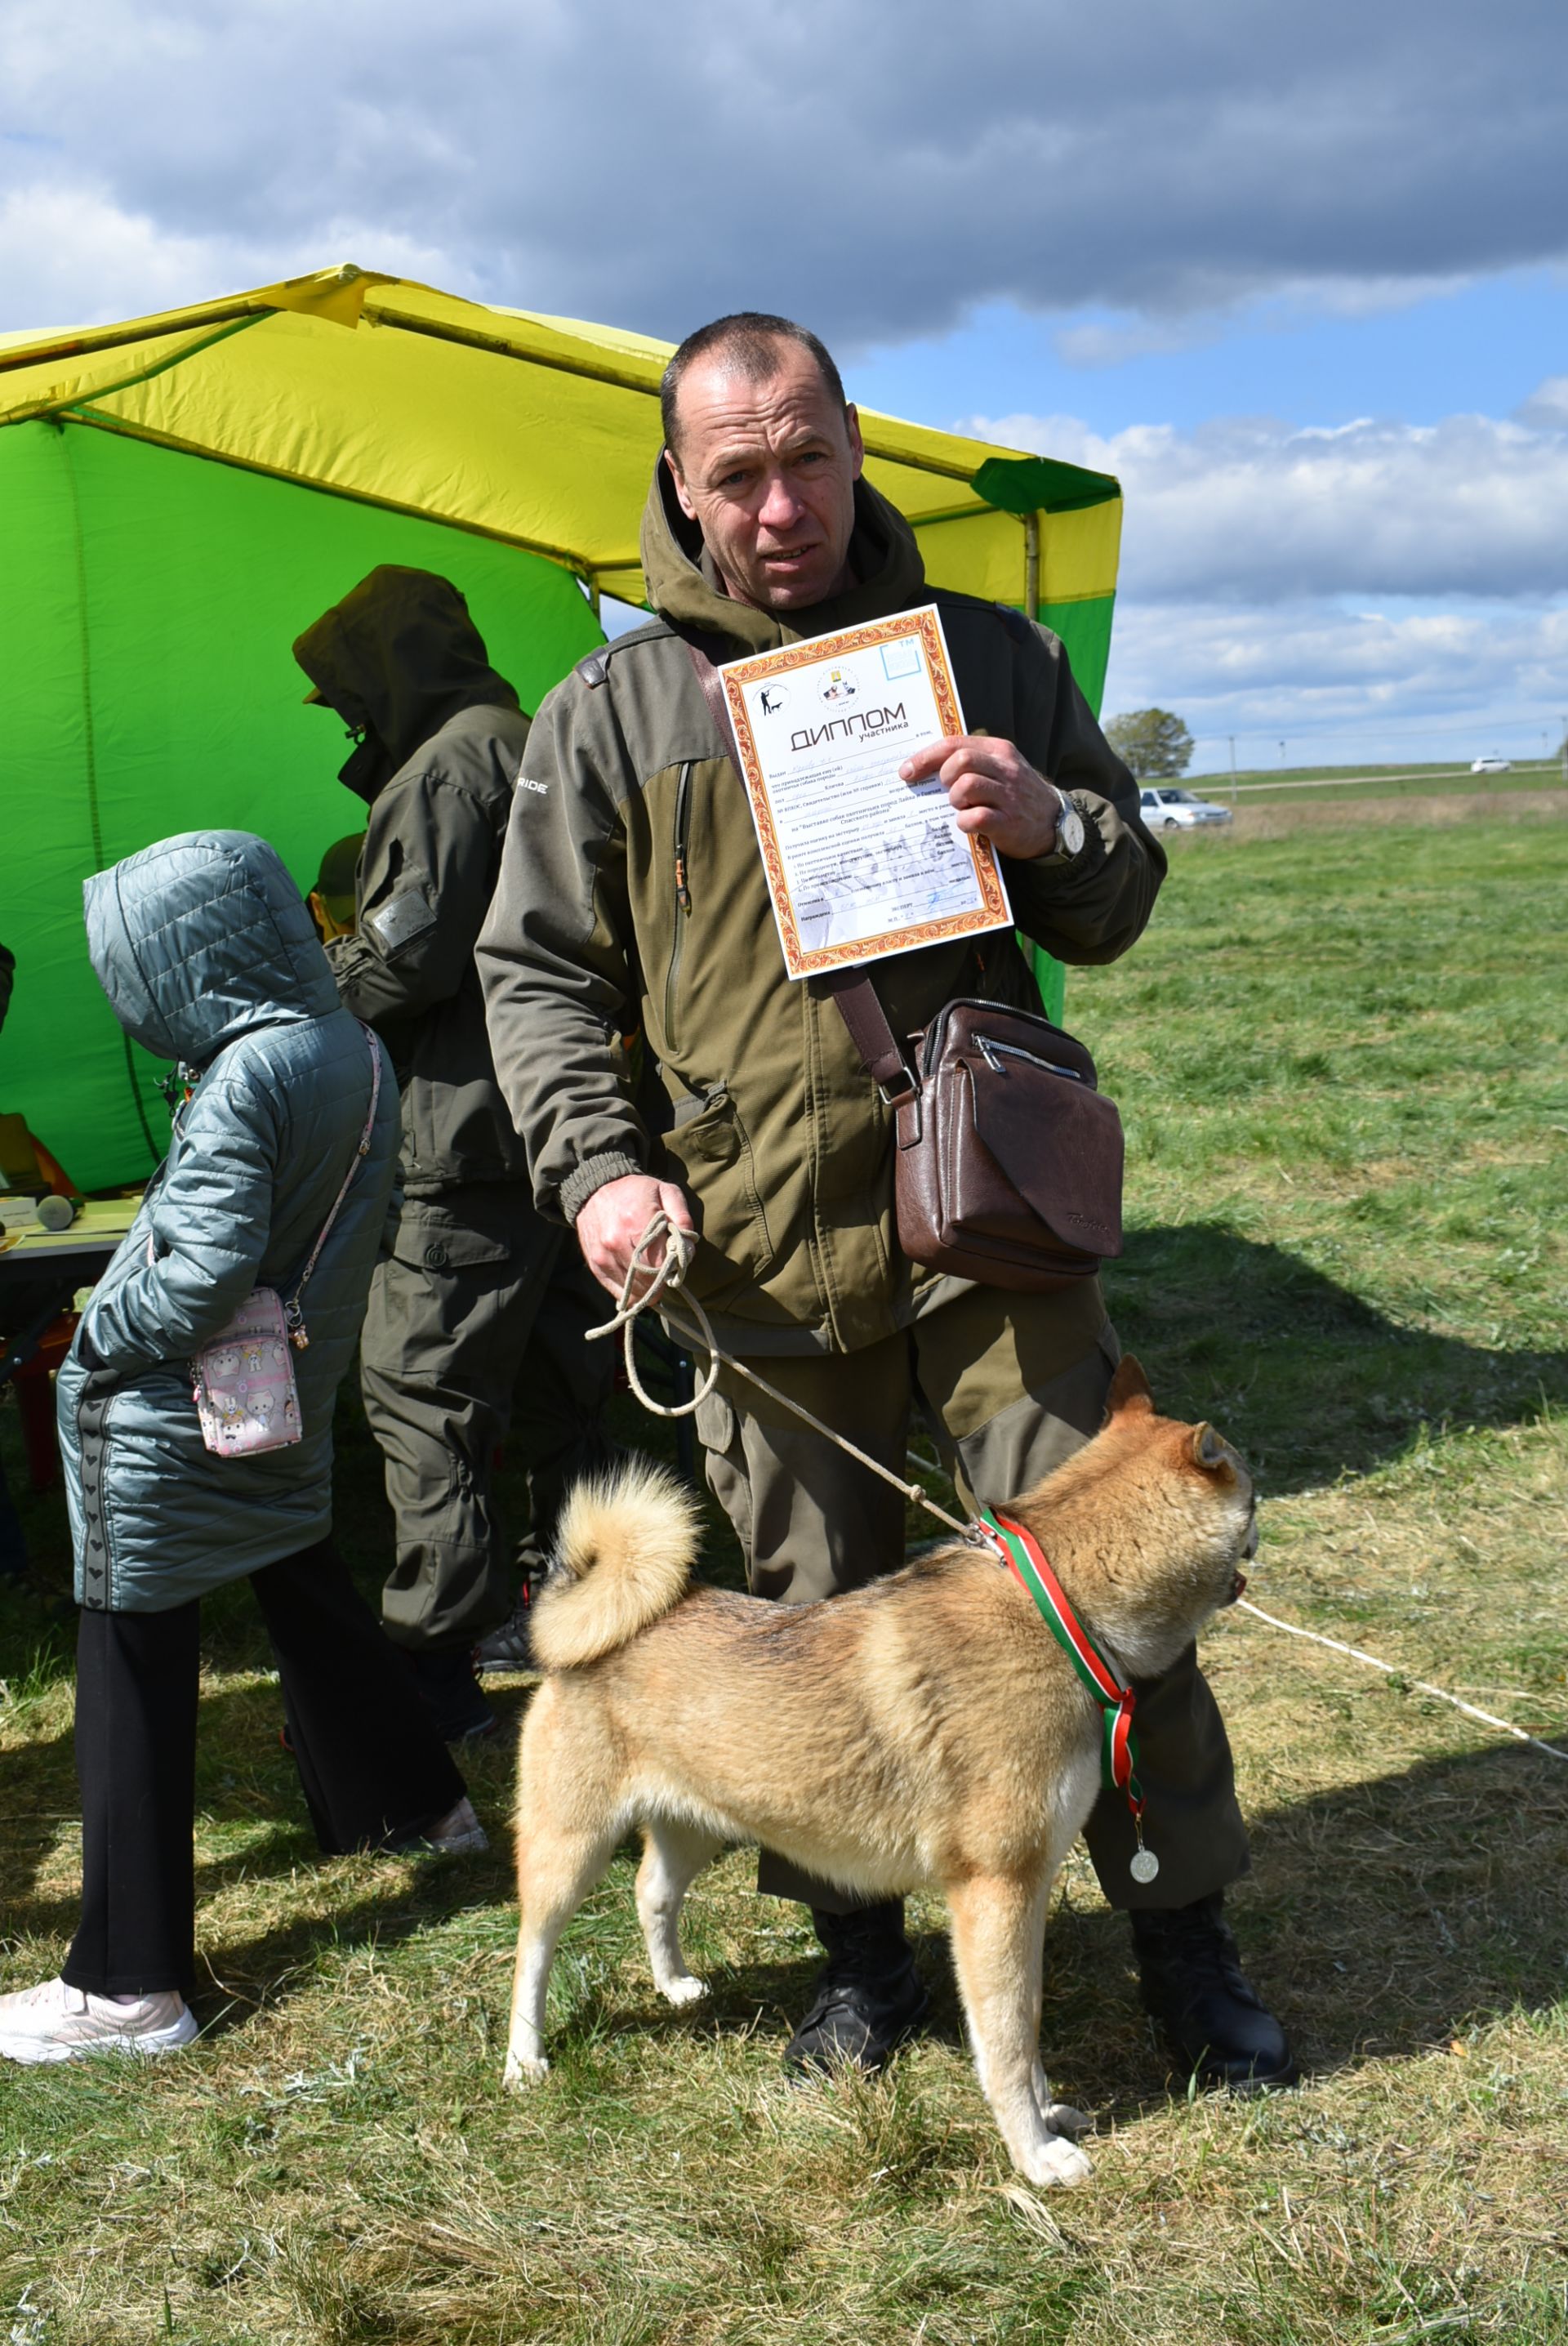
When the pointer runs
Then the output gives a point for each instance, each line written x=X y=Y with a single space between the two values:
x=869 y=1995
x=1214 y=2019
x=510 y=1648
x=452 y=1694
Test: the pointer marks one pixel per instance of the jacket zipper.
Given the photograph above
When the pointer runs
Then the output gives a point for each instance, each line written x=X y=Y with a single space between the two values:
x=992 y=1052
x=682 y=895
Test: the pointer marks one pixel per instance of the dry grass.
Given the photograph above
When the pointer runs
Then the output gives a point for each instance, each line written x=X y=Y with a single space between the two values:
x=1280 y=819
x=1342 y=1073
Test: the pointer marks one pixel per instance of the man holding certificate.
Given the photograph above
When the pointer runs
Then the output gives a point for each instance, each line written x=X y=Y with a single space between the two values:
x=904 y=779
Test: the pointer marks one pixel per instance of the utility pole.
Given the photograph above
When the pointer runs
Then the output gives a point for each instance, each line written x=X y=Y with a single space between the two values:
x=1232 y=739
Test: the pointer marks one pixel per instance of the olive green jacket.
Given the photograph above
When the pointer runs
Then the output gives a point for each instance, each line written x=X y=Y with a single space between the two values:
x=632 y=894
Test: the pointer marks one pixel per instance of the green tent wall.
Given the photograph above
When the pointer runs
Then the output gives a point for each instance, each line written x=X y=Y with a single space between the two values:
x=147 y=603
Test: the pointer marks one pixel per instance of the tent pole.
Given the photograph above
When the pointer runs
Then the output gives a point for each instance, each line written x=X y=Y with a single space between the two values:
x=1031 y=566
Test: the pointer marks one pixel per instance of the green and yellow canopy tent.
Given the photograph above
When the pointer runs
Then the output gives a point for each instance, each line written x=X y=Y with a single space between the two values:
x=180 y=495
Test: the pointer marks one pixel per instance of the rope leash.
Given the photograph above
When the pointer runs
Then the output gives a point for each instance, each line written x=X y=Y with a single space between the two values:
x=665 y=1277
x=1390 y=1670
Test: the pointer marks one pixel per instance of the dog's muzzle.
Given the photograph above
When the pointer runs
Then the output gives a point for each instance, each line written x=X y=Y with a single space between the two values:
x=1249 y=1550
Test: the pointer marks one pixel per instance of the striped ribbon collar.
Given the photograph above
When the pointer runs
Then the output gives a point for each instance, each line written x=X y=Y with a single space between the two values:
x=1026 y=1559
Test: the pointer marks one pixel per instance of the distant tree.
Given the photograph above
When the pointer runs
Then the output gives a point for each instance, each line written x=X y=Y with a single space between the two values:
x=1151 y=742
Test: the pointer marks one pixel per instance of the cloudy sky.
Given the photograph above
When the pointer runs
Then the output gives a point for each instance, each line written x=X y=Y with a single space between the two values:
x=1299 y=277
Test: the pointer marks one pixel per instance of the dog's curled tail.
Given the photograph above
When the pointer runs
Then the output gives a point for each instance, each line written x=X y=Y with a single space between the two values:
x=624 y=1551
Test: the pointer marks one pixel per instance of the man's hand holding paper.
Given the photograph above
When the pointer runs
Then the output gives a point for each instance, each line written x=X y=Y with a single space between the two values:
x=993 y=789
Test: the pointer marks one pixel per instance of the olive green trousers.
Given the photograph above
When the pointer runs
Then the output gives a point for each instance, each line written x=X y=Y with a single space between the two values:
x=475 y=1335
x=983 y=1377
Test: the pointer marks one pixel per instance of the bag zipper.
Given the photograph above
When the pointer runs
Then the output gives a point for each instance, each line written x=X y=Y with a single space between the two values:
x=993 y=1053
x=682 y=893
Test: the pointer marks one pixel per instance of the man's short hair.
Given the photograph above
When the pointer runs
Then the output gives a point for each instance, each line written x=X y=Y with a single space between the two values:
x=749 y=339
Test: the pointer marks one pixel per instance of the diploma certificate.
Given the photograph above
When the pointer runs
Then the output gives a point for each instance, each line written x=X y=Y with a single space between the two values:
x=859 y=864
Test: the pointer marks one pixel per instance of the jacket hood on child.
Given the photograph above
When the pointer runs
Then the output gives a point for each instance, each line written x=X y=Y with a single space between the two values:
x=202 y=939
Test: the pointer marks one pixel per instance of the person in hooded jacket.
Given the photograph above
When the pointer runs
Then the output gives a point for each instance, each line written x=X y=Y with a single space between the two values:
x=207 y=955
x=477 y=1281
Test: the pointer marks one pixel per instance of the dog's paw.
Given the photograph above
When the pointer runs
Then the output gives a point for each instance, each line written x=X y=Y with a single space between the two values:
x=688 y=1989
x=1062 y=2118
x=523 y=2070
x=1057 y=2164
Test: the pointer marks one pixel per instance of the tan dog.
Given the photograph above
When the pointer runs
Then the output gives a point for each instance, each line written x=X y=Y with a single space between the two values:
x=925 y=1732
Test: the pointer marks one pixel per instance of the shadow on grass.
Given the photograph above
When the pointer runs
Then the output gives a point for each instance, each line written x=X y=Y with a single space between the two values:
x=1384 y=1920
x=1306 y=1379
x=243 y=1778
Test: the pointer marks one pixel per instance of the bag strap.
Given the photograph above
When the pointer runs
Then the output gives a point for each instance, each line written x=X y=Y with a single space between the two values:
x=708 y=676
x=291 y=1309
x=883 y=1055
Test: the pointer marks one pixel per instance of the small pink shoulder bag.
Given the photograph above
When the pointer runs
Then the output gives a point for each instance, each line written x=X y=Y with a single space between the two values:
x=242 y=1380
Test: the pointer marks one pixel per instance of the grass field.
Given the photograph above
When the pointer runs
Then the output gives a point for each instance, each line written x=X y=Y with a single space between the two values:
x=1340 y=1057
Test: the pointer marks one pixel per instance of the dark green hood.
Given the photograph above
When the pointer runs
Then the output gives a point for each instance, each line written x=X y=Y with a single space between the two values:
x=399 y=655
x=683 y=584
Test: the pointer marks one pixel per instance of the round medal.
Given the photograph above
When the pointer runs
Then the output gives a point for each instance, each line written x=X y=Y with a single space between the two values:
x=1144 y=1865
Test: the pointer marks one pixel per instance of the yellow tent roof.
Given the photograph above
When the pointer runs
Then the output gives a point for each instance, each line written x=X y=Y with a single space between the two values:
x=541 y=432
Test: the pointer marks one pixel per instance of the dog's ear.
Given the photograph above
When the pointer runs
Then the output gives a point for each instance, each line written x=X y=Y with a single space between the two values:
x=1129 y=1389
x=1211 y=1452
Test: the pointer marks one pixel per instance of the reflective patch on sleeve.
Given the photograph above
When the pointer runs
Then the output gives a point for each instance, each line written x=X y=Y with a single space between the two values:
x=402 y=921
x=527 y=782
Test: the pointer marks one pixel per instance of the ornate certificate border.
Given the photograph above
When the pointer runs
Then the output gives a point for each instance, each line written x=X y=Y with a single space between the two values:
x=807 y=961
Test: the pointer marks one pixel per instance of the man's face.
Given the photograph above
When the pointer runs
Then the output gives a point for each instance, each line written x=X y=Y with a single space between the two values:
x=769 y=472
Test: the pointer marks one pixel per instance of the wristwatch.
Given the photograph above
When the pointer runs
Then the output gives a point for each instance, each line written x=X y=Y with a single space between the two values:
x=1070 y=831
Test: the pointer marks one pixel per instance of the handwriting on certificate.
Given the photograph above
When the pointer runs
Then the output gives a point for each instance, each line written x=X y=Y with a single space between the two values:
x=860 y=863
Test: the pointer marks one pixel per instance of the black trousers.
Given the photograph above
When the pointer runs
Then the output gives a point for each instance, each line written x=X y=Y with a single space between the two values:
x=370 y=1759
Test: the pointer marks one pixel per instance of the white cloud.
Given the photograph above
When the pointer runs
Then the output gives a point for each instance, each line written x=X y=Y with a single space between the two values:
x=1253 y=508
x=1376 y=589
x=881 y=170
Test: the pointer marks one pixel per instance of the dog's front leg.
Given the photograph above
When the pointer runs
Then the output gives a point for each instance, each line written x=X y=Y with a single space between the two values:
x=998 y=1931
x=675 y=1855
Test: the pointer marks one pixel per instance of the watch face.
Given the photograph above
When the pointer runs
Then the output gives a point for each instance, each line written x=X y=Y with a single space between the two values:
x=1070 y=830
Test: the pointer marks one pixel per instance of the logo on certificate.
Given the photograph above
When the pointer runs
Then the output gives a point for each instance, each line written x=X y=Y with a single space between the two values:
x=838 y=687
x=771 y=699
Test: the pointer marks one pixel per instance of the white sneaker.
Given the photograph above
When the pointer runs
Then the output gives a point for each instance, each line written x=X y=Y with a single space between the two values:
x=57 y=2023
x=458 y=1833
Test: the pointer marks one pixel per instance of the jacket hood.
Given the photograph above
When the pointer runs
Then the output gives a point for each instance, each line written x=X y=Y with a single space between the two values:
x=201 y=939
x=684 y=586
x=399 y=655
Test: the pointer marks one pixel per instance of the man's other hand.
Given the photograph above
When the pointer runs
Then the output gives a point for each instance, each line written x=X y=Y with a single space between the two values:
x=614 y=1217
x=993 y=789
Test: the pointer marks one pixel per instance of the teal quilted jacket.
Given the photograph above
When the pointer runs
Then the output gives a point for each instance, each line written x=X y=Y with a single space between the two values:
x=209 y=957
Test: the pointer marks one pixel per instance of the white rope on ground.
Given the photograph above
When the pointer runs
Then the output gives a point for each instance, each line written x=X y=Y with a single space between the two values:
x=1391 y=1670
x=665 y=1277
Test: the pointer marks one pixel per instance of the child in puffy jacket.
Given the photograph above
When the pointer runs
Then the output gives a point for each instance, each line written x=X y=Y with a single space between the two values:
x=208 y=956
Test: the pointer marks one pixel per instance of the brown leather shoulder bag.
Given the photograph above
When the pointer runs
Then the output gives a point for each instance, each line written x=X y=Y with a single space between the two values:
x=1008 y=1157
